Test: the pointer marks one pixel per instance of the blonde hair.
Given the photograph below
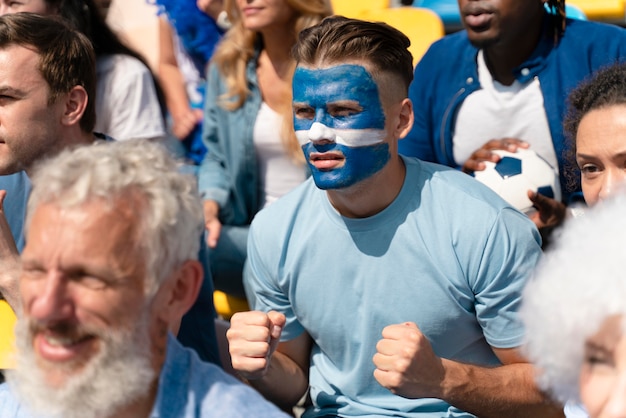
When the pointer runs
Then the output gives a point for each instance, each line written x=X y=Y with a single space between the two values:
x=237 y=48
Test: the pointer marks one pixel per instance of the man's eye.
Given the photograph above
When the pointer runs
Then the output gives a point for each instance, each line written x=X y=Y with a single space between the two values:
x=304 y=113
x=344 y=111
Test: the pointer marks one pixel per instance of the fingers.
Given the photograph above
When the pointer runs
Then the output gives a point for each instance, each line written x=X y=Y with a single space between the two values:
x=550 y=212
x=184 y=123
x=212 y=222
x=214 y=229
x=252 y=338
x=476 y=161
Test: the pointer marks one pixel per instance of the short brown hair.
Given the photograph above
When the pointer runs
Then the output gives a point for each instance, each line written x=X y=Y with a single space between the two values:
x=339 y=39
x=66 y=56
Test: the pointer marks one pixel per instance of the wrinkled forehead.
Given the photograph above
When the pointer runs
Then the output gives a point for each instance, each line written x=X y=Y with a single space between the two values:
x=319 y=86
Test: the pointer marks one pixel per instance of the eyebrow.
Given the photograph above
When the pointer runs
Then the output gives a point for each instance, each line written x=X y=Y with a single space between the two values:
x=591 y=157
x=12 y=91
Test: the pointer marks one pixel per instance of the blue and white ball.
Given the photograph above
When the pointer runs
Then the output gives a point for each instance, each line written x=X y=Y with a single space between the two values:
x=518 y=172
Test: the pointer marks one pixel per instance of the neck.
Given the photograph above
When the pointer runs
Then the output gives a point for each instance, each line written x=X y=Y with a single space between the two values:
x=277 y=46
x=506 y=55
x=140 y=408
x=70 y=138
x=370 y=196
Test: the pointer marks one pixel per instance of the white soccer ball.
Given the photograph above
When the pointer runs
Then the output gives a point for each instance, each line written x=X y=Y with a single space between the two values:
x=518 y=172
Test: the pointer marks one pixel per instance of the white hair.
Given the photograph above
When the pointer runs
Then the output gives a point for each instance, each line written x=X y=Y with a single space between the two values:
x=578 y=284
x=169 y=208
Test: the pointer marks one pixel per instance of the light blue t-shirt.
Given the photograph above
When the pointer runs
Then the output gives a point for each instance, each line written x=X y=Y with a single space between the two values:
x=188 y=388
x=447 y=254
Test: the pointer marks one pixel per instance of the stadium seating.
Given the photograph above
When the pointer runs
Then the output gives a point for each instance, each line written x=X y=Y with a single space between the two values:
x=355 y=8
x=422 y=26
x=7 y=338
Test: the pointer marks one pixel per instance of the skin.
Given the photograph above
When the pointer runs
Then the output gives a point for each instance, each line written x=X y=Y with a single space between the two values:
x=26 y=118
x=341 y=128
x=508 y=31
x=405 y=361
x=30 y=129
x=211 y=7
x=265 y=15
x=33 y=6
x=601 y=152
x=274 y=21
x=280 y=370
x=184 y=118
x=603 y=375
x=82 y=271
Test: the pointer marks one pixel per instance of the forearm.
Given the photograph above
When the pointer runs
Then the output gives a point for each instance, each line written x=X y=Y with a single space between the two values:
x=284 y=383
x=174 y=88
x=505 y=391
x=9 y=282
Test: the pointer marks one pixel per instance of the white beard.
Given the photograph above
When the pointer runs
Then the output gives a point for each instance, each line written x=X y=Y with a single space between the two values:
x=118 y=375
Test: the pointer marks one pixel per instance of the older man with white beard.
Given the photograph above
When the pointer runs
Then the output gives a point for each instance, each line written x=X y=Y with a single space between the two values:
x=108 y=271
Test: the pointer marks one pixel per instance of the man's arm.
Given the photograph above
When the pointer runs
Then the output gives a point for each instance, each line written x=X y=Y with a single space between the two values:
x=9 y=261
x=280 y=371
x=407 y=366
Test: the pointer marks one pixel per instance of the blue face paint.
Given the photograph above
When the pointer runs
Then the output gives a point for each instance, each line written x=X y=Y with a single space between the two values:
x=360 y=164
x=337 y=110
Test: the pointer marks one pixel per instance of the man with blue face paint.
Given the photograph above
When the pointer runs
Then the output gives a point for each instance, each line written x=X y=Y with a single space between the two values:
x=370 y=286
x=341 y=127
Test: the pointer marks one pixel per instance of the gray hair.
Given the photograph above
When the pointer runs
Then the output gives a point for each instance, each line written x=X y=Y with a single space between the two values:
x=580 y=282
x=169 y=213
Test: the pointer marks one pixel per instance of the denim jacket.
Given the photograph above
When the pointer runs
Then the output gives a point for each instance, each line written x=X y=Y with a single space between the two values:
x=188 y=388
x=448 y=73
x=229 y=173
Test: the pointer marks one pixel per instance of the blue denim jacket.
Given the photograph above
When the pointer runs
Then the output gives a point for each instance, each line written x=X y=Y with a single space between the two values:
x=229 y=173
x=448 y=73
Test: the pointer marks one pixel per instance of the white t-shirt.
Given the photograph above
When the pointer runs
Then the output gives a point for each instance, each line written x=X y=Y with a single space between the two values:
x=497 y=111
x=127 y=106
x=278 y=173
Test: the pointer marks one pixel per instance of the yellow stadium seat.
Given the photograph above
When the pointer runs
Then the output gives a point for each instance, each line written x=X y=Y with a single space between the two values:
x=355 y=8
x=227 y=305
x=613 y=10
x=422 y=26
x=7 y=337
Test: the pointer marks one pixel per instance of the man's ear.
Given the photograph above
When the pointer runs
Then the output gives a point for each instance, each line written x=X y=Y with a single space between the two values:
x=405 y=118
x=75 y=105
x=180 y=292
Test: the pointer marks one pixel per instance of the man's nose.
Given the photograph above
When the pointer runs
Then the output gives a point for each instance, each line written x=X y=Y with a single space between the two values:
x=53 y=301
x=321 y=133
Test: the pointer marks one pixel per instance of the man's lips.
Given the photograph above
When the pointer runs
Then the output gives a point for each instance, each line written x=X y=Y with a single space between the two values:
x=53 y=347
x=478 y=20
x=477 y=15
x=326 y=160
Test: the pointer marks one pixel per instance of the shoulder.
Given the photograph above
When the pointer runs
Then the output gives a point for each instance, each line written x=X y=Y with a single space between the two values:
x=188 y=383
x=298 y=203
x=450 y=183
x=9 y=405
x=590 y=32
x=449 y=45
x=453 y=195
x=449 y=57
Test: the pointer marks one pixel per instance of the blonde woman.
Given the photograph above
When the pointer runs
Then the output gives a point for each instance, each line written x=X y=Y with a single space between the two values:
x=253 y=157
